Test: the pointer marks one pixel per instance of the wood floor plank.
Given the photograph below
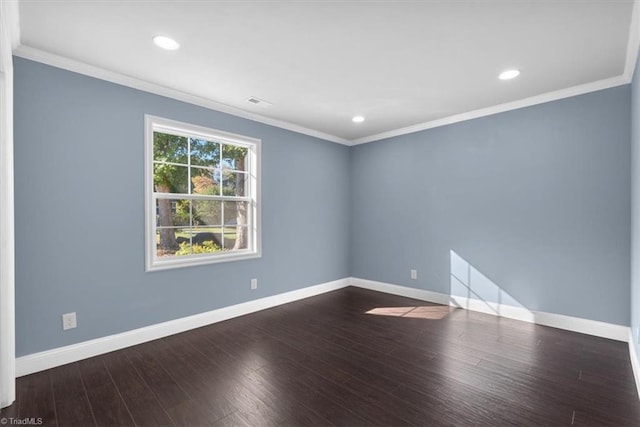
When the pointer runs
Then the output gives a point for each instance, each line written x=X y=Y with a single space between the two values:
x=140 y=400
x=589 y=417
x=36 y=398
x=108 y=407
x=201 y=381
x=71 y=400
x=167 y=378
x=150 y=369
x=302 y=383
x=288 y=406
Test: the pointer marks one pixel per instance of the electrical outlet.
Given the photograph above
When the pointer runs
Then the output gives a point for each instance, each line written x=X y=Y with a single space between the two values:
x=254 y=284
x=414 y=274
x=69 y=321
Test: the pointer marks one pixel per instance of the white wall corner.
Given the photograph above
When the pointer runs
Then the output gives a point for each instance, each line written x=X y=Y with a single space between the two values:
x=421 y=294
x=41 y=361
x=12 y=12
x=8 y=19
x=635 y=361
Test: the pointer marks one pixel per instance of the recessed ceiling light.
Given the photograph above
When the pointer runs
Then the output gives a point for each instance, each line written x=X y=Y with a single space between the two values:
x=509 y=74
x=165 y=42
x=357 y=119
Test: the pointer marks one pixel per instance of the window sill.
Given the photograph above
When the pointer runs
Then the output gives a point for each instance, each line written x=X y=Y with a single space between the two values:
x=195 y=260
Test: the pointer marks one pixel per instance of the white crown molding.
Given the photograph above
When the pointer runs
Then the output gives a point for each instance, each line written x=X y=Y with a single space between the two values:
x=633 y=44
x=41 y=361
x=635 y=362
x=68 y=64
x=569 y=323
x=57 y=61
x=501 y=108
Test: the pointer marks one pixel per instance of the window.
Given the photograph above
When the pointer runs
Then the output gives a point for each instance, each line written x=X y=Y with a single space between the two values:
x=202 y=195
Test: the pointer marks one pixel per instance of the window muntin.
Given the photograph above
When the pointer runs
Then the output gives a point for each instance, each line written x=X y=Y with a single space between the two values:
x=202 y=191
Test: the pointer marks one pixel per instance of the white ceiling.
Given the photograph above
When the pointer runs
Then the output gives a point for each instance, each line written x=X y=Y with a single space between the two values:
x=398 y=63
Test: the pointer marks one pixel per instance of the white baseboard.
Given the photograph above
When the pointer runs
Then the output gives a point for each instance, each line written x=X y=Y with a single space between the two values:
x=635 y=362
x=41 y=361
x=576 y=324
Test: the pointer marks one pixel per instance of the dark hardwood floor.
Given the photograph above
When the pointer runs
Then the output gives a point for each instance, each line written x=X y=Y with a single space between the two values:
x=350 y=357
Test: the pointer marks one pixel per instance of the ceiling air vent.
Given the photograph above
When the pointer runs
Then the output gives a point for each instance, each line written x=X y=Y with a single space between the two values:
x=259 y=102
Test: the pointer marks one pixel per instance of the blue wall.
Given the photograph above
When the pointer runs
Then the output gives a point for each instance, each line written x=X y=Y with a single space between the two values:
x=536 y=201
x=635 y=209
x=80 y=212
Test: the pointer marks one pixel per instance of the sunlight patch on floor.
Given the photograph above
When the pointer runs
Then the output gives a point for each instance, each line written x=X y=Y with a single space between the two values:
x=430 y=312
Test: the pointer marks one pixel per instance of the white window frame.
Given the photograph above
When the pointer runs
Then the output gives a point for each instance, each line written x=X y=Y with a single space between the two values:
x=254 y=230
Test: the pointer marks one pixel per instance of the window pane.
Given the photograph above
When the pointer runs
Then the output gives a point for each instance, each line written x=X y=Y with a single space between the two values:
x=234 y=157
x=168 y=240
x=207 y=236
x=235 y=238
x=205 y=153
x=234 y=183
x=205 y=181
x=199 y=241
x=170 y=178
x=169 y=148
x=235 y=213
x=173 y=213
x=207 y=213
